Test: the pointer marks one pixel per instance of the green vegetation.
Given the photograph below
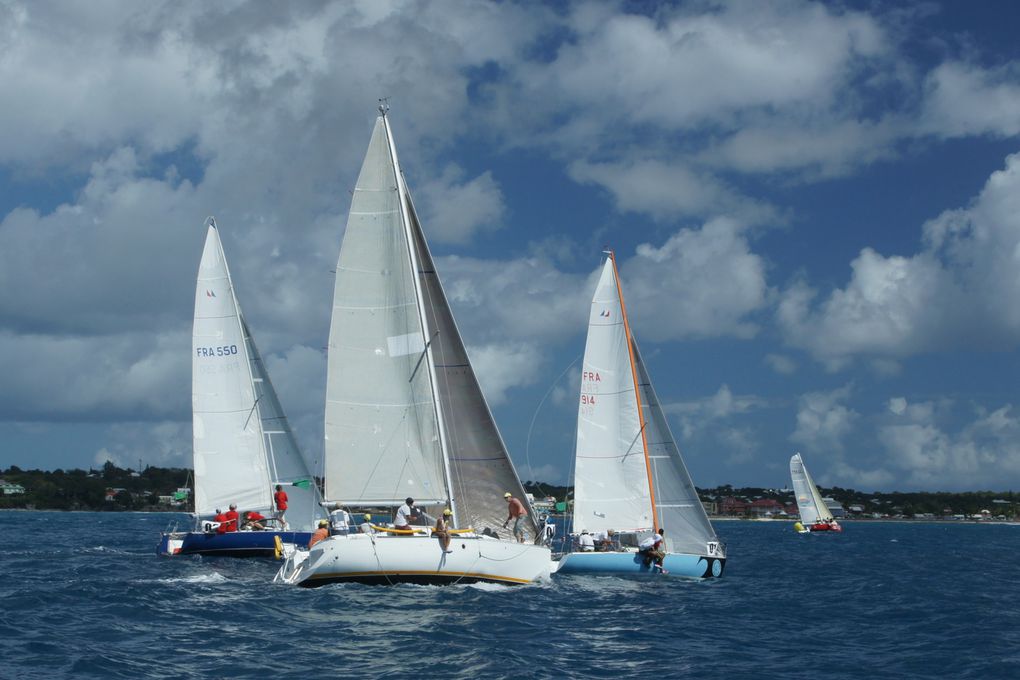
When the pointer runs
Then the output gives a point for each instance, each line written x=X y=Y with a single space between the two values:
x=91 y=489
x=915 y=504
x=113 y=488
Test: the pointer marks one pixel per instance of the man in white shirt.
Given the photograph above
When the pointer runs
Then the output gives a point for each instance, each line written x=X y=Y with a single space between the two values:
x=586 y=542
x=339 y=520
x=653 y=549
x=404 y=514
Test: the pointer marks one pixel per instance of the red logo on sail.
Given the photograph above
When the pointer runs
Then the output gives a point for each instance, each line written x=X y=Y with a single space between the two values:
x=209 y=293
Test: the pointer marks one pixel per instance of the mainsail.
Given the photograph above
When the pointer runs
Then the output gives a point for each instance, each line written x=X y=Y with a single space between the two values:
x=809 y=502
x=243 y=444
x=626 y=455
x=405 y=415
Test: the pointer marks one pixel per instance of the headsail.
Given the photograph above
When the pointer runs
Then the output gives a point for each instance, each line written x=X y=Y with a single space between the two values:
x=809 y=502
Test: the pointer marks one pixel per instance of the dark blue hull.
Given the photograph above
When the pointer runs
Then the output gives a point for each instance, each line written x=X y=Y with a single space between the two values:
x=231 y=544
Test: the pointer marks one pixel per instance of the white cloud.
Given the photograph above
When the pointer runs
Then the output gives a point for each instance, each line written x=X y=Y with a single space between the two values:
x=700 y=283
x=963 y=99
x=703 y=414
x=921 y=449
x=958 y=290
x=824 y=421
x=456 y=210
x=781 y=364
x=501 y=367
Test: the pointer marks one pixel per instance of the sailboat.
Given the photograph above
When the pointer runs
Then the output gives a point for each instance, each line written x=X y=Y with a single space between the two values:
x=243 y=446
x=814 y=513
x=630 y=481
x=405 y=415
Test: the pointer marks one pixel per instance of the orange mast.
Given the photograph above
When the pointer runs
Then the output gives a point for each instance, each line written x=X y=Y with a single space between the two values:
x=637 y=392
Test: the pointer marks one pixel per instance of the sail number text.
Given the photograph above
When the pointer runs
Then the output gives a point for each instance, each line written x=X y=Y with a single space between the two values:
x=221 y=351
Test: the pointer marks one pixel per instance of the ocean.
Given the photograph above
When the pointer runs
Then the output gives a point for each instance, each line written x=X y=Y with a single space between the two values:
x=83 y=595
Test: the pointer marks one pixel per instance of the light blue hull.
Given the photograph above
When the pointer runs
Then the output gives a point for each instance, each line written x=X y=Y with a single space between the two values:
x=632 y=564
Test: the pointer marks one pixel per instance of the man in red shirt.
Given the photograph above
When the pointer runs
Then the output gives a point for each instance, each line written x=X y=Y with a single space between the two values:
x=232 y=518
x=222 y=519
x=280 y=498
x=515 y=512
x=253 y=520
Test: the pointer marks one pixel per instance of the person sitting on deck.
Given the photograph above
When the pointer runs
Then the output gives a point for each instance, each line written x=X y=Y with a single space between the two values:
x=320 y=534
x=586 y=542
x=404 y=514
x=606 y=542
x=232 y=518
x=653 y=550
x=366 y=525
x=442 y=530
x=222 y=519
x=253 y=521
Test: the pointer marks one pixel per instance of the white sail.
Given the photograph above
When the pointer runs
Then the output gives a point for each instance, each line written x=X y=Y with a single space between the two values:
x=809 y=502
x=382 y=439
x=232 y=402
x=611 y=489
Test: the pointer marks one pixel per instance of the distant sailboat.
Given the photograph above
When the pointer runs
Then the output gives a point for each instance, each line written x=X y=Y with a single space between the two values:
x=814 y=513
x=243 y=444
x=629 y=477
x=405 y=416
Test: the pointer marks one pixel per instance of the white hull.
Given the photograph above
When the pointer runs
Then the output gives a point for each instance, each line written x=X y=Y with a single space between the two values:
x=386 y=559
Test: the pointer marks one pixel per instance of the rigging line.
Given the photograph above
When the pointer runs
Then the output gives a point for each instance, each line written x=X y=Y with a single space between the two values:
x=248 y=419
x=527 y=444
x=422 y=357
x=631 y=447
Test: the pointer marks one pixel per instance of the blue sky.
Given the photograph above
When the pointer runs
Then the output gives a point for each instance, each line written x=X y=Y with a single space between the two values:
x=815 y=208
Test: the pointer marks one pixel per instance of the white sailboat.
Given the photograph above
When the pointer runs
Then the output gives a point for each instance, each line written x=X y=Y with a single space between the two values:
x=814 y=513
x=629 y=477
x=243 y=444
x=405 y=416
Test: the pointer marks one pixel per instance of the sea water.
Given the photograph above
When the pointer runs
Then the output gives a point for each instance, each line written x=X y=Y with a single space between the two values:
x=83 y=595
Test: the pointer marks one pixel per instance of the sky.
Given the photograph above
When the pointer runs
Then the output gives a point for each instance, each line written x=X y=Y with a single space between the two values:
x=815 y=208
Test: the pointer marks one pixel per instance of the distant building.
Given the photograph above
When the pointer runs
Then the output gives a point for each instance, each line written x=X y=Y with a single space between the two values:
x=711 y=507
x=111 y=494
x=835 y=507
x=766 y=506
x=10 y=488
x=733 y=506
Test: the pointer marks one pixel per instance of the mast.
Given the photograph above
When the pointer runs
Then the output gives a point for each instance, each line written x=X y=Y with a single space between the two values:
x=637 y=394
x=420 y=300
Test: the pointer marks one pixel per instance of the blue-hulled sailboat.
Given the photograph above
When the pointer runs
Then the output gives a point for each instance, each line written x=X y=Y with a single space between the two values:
x=630 y=481
x=243 y=444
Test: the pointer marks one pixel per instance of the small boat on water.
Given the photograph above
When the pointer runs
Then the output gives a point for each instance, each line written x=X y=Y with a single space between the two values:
x=243 y=444
x=630 y=481
x=815 y=515
x=405 y=415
